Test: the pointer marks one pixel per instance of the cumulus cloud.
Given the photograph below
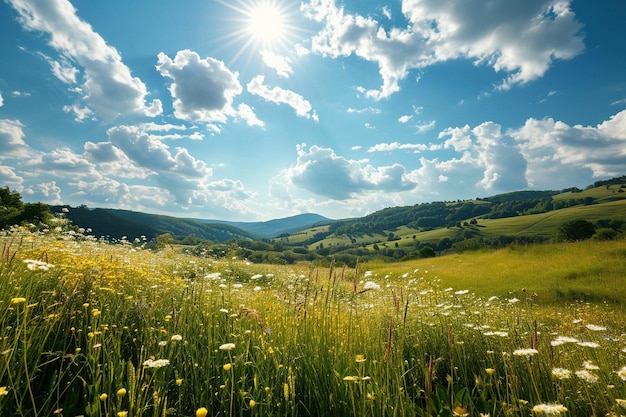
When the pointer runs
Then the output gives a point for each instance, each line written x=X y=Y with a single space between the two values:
x=203 y=89
x=47 y=191
x=12 y=139
x=9 y=178
x=322 y=172
x=558 y=153
x=108 y=88
x=180 y=173
x=112 y=161
x=519 y=38
x=281 y=64
x=496 y=154
x=281 y=96
x=185 y=178
x=1 y=100
x=62 y=163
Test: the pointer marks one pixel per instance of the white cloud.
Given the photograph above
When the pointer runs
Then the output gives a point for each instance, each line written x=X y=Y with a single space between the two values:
x=521 y=38
x=395 y=146
x=152 y=154
x=109 y=88
x=387 y=12
x=425 y=127
x=405 y=118
x=185 y=178
x=323 y=172
x=112 y=161
x=372 y=110
x=496 y=155
x=247 y=113
x=80 y=113
x=61 y=163
x=48 y=192
x=558 y=153
x=203 y=89
x=12 y=139
x=281 y=96
x=281 y=64
x=1 y=100
x=156 y=127
x=8 y=178
x=63 y=70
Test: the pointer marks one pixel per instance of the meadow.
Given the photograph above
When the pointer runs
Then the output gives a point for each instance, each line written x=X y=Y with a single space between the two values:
x=93 y=329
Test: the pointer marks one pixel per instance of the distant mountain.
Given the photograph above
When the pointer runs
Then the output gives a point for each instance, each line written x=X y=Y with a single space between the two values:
x=277 y=227
x=115 y=223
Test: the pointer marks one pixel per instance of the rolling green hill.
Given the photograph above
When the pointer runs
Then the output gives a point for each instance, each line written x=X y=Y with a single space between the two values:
x=393 y=233
x=524 y=216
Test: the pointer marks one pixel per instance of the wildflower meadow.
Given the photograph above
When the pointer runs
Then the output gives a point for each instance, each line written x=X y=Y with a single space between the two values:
x=89 y=328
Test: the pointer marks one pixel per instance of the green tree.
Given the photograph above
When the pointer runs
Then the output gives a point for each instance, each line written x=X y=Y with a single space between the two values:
x=427 y=252
x=14 y=211
x=605 y=233
x=577 y=230
x=10 y=207
x=34 y=213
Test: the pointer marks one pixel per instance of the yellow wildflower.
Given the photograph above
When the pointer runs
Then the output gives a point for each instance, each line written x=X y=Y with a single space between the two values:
x=18 y=300
x=252 y=403
x=179 y=381
x=490 y=371
x=460 y=412
x=202 y=412
x=3 y=391
x=359 y=358
x=103 y=396
x=227 y=366
x=122 y=413
x=121 y=392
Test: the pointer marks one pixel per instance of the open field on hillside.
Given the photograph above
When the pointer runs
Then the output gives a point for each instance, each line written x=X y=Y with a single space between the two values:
x=543 y=225
x=88 y=328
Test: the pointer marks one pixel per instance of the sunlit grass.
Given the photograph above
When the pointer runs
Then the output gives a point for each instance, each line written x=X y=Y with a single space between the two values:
x=88 y=328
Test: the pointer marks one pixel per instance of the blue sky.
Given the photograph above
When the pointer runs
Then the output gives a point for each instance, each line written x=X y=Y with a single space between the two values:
x=251 y=110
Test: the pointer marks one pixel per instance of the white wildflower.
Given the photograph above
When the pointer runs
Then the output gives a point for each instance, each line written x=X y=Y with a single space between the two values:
x=589 y=344
x=159 y=363
x=562 y=340
x=371 y=285
x=549 y=409
x=525 y=352
x=227 y=346
x=587 y=376
x=561 y=373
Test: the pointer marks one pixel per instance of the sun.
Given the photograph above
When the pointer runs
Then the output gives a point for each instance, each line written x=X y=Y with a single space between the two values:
x=266 y=22
x=262 y=24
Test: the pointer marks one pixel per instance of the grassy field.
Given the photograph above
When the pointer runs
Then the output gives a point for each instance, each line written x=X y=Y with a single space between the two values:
x=92 y=329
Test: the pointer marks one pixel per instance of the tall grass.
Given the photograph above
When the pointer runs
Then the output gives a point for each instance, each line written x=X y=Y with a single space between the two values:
x=92 y=329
